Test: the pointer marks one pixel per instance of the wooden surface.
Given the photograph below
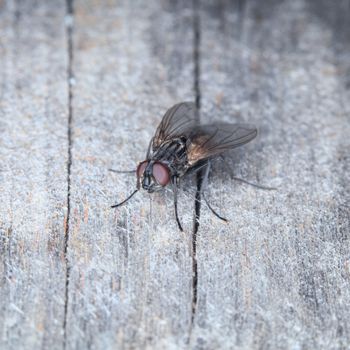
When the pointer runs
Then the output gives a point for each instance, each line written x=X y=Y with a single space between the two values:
x=83 y=86
x=33 y=174
x=130 y=269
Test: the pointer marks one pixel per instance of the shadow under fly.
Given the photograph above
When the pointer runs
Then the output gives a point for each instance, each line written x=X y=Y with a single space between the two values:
x=181 y=146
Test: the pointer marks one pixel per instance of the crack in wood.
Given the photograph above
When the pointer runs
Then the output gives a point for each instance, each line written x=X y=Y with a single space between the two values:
x=196 y=57
x=69 y=25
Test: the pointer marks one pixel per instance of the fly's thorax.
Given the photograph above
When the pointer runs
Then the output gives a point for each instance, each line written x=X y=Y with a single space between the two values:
x=173 y=153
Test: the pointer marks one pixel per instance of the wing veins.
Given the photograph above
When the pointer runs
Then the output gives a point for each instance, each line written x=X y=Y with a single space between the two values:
x=172 y=115
x=228 y=143
x=211 y=137
x=179 y=126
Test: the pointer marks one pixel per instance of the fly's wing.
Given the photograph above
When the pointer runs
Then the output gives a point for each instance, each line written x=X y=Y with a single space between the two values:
x=211 y=140
x=178 y=121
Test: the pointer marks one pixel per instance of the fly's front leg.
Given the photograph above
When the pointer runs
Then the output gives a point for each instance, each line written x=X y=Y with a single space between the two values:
x=204 y=184
x=175 y=185
x=122 y=171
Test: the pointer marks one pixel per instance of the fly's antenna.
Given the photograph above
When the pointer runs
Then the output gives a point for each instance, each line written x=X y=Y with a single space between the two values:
x=124 y=201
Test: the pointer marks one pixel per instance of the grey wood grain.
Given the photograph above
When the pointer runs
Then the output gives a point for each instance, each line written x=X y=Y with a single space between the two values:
x=33 y=174
x=277 y=276
x=130 y=269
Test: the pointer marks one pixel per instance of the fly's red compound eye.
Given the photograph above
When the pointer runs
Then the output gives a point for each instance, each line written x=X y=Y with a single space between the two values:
x=141 y=168
x=161 y=173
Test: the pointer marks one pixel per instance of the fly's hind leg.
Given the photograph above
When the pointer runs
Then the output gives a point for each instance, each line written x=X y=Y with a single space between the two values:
x=267 y=188
x=261 y=187
x=204 y=184
x=212 y=210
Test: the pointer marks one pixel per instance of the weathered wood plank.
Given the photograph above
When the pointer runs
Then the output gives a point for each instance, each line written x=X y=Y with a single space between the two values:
x=277 y=276
x=130 y=269
x=33 y=173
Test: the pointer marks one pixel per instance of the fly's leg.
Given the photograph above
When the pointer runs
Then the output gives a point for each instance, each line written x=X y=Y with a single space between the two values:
x=254 y=185
x=204 y=184
x=175 y=183
x=212 y=210
x=124 y=201
x=122 y=171
x=245 y=181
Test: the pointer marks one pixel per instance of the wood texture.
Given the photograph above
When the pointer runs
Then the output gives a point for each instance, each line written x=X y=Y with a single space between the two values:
x=277 y=276
x=83 y=92
x=131 y=272
x=33 y=174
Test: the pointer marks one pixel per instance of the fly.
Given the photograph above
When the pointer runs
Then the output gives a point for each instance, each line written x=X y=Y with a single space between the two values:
x=181 y=145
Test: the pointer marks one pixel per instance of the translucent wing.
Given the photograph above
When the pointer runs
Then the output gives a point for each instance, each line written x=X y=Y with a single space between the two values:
x=179 y=120
x=211 y=140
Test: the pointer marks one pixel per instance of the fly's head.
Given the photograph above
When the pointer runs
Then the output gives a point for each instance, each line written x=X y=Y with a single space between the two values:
x=152 y=176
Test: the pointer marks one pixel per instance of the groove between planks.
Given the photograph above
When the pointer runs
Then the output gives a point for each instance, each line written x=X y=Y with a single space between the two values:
x=70 y=77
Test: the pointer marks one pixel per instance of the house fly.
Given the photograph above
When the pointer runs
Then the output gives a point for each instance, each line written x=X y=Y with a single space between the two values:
x=182 y=145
